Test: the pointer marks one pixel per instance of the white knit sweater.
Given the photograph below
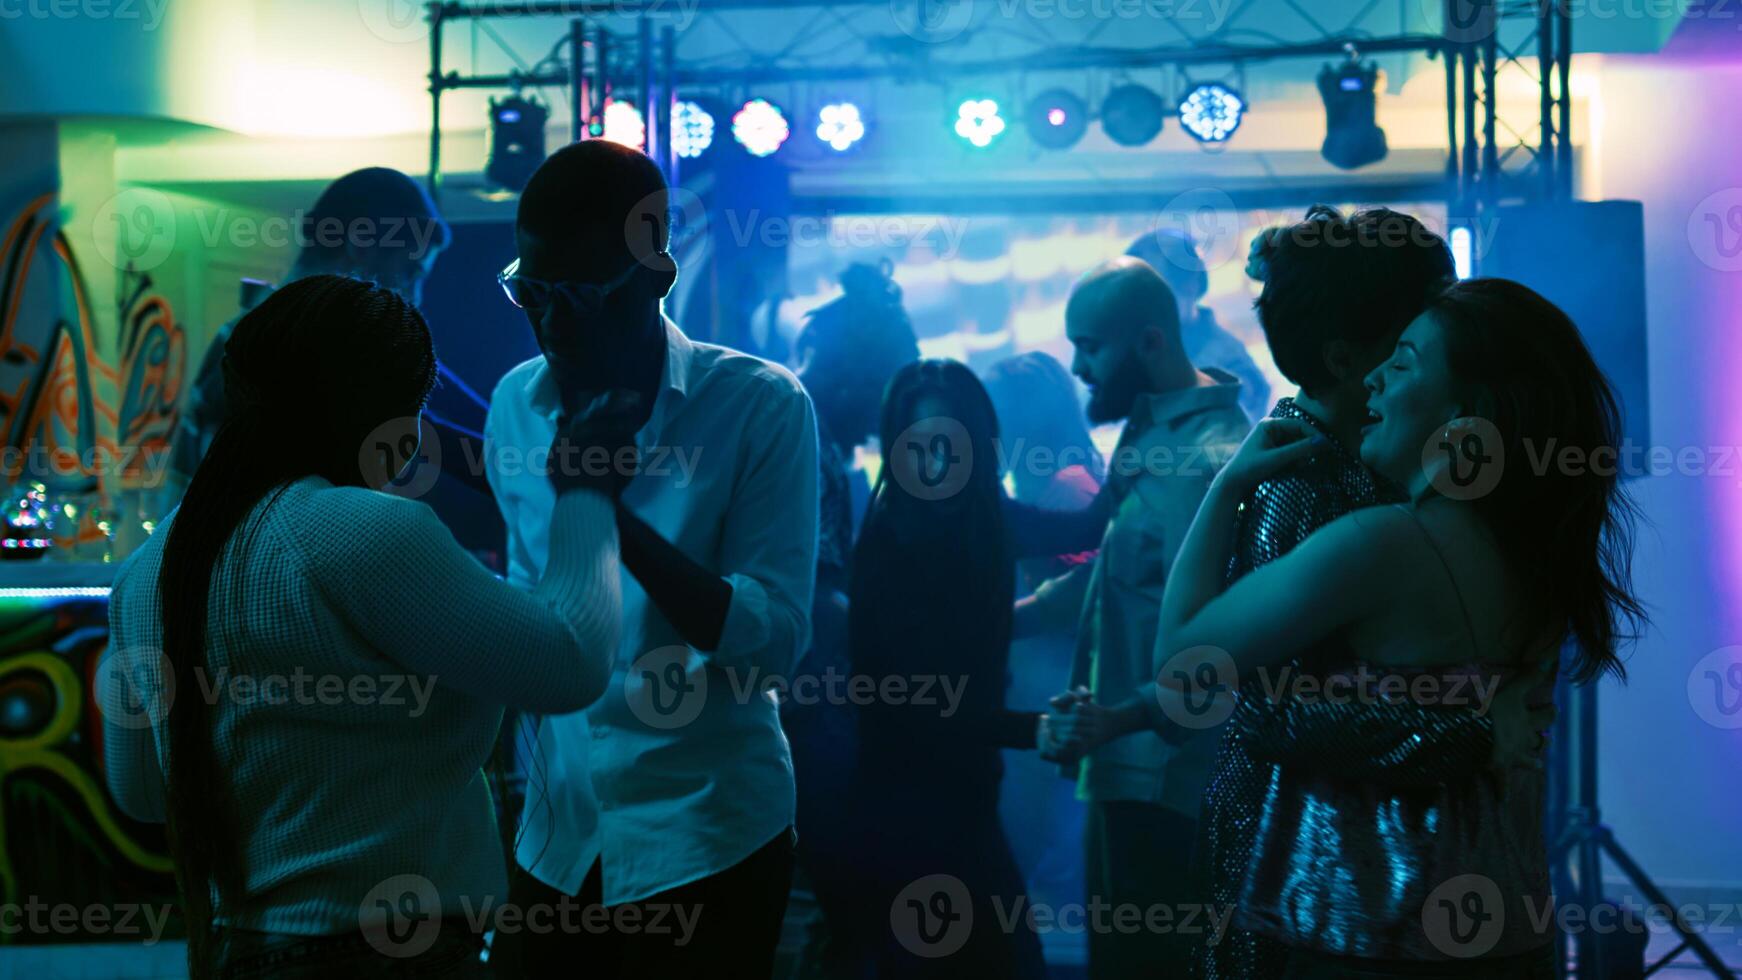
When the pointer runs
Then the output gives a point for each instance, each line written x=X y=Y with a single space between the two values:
x=359 y=660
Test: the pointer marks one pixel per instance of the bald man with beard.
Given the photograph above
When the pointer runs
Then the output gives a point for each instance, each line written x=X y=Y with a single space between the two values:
x=1181 y=424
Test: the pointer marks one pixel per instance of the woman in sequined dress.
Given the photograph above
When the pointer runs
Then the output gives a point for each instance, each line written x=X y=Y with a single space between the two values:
x=1476 y=580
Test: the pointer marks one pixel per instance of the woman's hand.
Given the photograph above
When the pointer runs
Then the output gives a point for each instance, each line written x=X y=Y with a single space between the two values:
x=1523 y=719
x=594 y=449
x=1273 y=446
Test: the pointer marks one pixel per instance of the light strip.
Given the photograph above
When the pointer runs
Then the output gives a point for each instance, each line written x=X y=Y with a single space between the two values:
x=56 y=592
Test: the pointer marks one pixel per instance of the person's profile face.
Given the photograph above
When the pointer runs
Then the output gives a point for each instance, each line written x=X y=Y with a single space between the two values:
x=1410 y=397
x=1106 y=360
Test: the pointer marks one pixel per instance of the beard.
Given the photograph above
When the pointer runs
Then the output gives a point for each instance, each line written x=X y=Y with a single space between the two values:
x=1113 y=398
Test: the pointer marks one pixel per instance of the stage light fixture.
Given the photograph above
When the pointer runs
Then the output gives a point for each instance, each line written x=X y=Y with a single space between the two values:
x=978 y=122
x=1132 y=115
x=624 y=124
x=1211 y=113
x=1352 y=134
x=1056 y=119
x=692 y=130
x=760 y=127
x=840 y=125
x=516 y=140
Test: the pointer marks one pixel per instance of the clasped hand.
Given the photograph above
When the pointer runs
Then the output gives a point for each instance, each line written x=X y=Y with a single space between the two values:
x=1075 y=727
x=594 y=448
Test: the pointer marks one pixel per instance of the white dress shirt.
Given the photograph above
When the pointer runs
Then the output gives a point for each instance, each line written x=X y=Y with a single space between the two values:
x=680 y=770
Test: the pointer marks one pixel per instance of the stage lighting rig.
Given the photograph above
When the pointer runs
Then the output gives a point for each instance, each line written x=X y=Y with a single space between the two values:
x=760 y=127
x=1211 y=113
x=1132 y=115
x=516 y=140
x=1352 y=134
x=840 y=125
x=692 y=130
x=624 y=124
x=1056 y=119
x=978 y=122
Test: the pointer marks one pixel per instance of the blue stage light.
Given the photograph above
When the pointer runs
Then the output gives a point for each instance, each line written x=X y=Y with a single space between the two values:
x=1057 y=119
x=978 y=122
x=692 y=130
x=840 y=125
x=760 y=127
x=1211 y=113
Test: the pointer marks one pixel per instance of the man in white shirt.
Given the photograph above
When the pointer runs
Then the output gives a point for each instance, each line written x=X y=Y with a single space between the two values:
x=669 y=803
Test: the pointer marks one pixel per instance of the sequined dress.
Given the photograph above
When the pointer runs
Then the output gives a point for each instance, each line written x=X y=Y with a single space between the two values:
x=1399 y=743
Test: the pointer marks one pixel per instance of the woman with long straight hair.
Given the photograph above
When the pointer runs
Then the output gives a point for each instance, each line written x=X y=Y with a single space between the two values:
x=307 y=674
x=929 y=615
x=1479 y=578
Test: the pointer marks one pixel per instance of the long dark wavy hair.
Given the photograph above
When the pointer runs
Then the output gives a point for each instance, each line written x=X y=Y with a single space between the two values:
x=310 y=373
x=934 y=567
x=1567 y=531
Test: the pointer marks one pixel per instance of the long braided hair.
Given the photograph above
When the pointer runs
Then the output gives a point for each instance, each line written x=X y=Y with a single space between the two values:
x=309 y=374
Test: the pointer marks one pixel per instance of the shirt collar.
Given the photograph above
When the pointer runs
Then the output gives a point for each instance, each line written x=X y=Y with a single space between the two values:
x=1170 y=408
x=544 y=399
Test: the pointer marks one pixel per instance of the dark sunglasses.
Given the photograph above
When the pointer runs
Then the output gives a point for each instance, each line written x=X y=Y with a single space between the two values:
x=537 y=294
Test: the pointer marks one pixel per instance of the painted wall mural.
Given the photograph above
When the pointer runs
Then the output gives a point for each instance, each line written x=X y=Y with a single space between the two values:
x=81 y=432
x=88 y=429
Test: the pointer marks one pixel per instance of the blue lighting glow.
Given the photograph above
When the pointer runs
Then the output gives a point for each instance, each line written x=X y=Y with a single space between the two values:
x=1211 y=113
x=978 y=122
x=692 y=130
x=760 y=127
x=1463 y=244
x=840 y=125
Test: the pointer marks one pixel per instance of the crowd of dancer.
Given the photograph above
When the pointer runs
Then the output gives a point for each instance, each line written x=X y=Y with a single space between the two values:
x=652 y=633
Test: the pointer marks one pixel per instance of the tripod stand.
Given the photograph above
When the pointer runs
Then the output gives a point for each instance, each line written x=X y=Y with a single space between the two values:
x=1576 y=858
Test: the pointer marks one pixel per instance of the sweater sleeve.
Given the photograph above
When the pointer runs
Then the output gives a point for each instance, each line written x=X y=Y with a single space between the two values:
x=395 y=573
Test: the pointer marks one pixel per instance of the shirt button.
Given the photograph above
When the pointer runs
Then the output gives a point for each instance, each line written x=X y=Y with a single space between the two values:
x=599 y=731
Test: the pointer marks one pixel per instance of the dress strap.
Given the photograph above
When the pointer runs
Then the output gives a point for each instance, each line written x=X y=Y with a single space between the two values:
x=1469 y=624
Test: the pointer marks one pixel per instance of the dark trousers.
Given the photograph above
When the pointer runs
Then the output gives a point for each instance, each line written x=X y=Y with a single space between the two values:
x=1139 y=868
x=733 y=926
x=1537 y=964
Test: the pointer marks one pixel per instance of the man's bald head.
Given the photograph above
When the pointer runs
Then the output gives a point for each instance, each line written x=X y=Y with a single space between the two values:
x=1124 y=324
x=1127 y=295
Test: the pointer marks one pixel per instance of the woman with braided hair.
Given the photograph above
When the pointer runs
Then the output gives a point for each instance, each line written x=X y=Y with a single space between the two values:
x=306 y=675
